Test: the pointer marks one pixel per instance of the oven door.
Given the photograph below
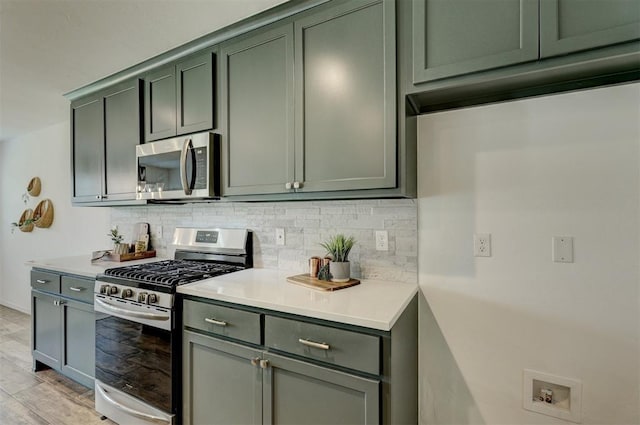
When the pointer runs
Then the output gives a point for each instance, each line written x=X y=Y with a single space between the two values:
x=134 y=358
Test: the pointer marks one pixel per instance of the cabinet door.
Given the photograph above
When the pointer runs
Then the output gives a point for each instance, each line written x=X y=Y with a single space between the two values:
x=257 y=112
x=46 y=329
x=194 y=88
x=220 y=384
x=455 y=37
x=571 y=25
x=78 y=344
x=87 y=148
x=304 y=394
x=345 y=97
x=160 y=104
x=122 y=120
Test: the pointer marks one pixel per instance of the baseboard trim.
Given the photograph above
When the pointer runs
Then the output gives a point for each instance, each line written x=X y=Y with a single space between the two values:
x=14 y=307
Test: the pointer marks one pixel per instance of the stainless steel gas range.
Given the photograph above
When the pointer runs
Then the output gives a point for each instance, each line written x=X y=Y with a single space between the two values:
x=137 y=335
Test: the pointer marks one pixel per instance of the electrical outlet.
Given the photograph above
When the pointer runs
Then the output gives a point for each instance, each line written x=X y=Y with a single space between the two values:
x=280 y=236
x=482 y=245
x=382 y=240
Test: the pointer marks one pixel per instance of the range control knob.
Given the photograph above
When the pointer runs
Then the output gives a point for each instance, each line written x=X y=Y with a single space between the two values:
x=113 y=290
x=142 y=297
x=127 y=293
x=152 y=298
x=104 y=289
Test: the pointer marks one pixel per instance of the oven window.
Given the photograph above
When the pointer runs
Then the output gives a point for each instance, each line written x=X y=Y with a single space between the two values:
x=134 y=358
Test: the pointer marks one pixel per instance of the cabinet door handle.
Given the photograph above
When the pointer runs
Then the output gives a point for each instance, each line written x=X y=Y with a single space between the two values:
x=215 y=322
x=42 y=281
x=73 y=288
x=297 y=185
x=320 y=345
x=255 y=361
x=264 y=364
x=287 y=185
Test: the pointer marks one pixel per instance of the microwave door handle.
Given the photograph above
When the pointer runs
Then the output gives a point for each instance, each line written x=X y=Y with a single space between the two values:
x=183 y=166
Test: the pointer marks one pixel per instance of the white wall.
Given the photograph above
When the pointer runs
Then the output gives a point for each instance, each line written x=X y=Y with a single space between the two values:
x=525 y=171
x=75 y=231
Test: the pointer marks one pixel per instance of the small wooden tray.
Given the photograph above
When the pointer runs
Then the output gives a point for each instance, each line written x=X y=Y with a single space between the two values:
x=321 y=285
x=130 y=256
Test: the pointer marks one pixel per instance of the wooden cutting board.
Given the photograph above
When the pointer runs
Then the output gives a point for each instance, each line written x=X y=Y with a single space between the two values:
x=321 y=285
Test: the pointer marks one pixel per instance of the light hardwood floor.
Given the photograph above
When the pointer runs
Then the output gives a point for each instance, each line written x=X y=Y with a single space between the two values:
x=44 y=397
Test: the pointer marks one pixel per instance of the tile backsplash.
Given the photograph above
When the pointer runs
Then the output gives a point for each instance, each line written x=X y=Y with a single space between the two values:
x=306 y=224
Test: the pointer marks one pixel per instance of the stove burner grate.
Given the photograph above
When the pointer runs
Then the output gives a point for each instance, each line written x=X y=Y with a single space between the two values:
x=172 y=272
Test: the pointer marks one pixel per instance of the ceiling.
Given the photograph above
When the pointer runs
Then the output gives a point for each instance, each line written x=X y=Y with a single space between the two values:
x=50 y=47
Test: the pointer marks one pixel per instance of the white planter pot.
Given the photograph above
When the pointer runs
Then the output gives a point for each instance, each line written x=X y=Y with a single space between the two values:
x=340 y=271
x=121 y=248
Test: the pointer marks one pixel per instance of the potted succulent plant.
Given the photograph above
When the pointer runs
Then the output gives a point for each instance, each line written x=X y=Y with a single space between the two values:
x=118 y=247
x=338 y=248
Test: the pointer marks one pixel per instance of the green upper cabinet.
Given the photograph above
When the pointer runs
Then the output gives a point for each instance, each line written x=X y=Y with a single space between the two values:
x=179 y=98
x=160 y=104
x=457 y=37
x=105 y=129
x=194 y=94
x=122 y=124
x=454 y=37
x=87 y=148
x=346 y=97
x=568 y=26
x=309 y=105
x=257 y=115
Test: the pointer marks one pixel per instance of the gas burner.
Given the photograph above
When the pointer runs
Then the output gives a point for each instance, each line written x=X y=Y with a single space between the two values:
x=172 y=272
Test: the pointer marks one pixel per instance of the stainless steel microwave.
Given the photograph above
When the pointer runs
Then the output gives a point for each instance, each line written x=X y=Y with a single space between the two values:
x=185 y=167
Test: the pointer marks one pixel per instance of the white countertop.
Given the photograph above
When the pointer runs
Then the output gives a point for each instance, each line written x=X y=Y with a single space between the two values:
x=373 y=304
x=81 y=265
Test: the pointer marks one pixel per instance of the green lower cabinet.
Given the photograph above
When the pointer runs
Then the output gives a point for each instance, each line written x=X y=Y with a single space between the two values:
x=301 y=393
x=63 y=332
x=220 y=384
x=78 y=344
x=47 y=329
x=227 y=383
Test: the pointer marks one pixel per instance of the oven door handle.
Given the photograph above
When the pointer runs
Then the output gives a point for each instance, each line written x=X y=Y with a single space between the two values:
x=130 y=313
x=129 y=410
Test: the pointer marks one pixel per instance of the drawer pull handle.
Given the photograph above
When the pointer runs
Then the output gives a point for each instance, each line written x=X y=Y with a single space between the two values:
x=73 y=288
x=42 y=281
x=215 y=322
x=320 y=345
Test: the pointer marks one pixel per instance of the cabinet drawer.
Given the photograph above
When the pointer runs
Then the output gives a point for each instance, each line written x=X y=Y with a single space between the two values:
x=225 y=321
x=45 y=281
x=322 y=343
x=80 y=289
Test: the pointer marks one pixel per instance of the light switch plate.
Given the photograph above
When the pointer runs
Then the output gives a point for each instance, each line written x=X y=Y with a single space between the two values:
x=280 y=236
x=562 y=249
